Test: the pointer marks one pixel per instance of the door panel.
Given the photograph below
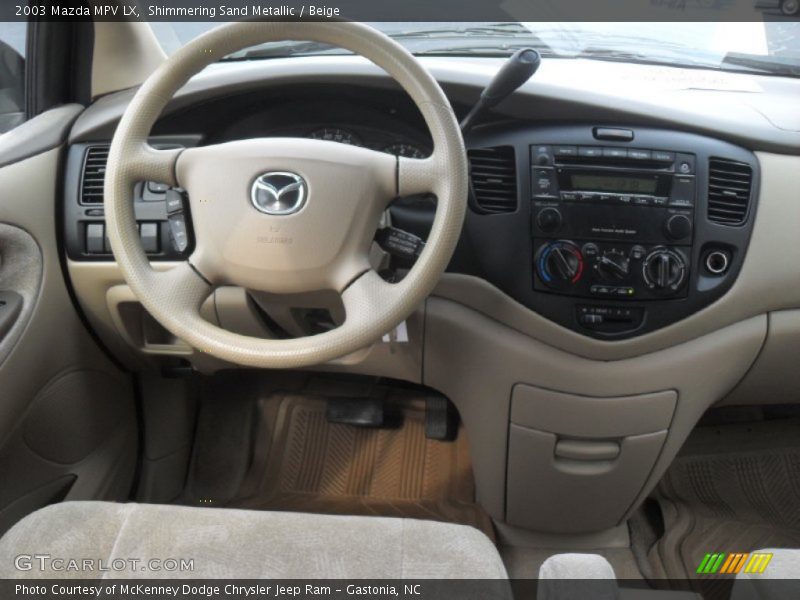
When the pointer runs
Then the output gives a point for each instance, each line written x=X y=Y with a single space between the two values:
x=67 y=413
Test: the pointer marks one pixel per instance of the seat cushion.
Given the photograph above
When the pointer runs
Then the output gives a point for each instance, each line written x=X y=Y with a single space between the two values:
x=780 y=579
x=230 y=543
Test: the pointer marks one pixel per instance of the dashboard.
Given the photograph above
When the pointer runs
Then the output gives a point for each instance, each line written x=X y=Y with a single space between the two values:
x=606 y=223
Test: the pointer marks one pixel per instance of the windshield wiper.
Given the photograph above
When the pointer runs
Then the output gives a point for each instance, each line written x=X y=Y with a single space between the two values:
x=770 y=65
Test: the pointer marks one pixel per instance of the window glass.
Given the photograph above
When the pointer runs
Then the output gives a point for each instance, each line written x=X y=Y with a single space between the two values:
x=12 y=74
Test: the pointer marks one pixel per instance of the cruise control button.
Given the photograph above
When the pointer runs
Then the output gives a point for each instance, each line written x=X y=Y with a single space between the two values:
x=177 y=230
x=174 y=202
x=148 y=233
x=157 y=188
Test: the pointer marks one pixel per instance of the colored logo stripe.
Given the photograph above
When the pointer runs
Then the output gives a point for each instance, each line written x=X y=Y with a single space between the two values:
x=758 y=563
x=731 y=564
x=711 y=563
x=734 y=563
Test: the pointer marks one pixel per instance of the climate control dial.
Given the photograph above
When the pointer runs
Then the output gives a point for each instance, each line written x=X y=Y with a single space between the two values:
x=664 y=270
x=613 y=266
x=560 y=264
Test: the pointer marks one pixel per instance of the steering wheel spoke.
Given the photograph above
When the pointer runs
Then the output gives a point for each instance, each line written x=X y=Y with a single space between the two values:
x=151 y=164
x=366 y=297
x=417 y=175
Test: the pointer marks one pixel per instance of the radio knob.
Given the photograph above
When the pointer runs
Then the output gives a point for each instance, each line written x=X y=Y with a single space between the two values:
x=678 y=227
x=549 y=220
x=664 y=270
x=613 y=266
x=559 y=264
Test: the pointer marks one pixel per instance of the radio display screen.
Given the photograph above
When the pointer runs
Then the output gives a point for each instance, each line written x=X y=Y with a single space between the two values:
x=613 y=183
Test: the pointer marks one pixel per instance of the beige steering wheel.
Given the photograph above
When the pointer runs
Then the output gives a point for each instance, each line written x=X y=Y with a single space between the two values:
x=285 y=215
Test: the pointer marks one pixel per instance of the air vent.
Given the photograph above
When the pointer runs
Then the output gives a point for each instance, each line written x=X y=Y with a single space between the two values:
x=94 y=173
x=729 y=183
x=494 y=178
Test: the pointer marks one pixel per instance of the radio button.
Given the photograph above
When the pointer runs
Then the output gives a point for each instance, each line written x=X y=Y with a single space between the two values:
x=590 y=151
x=540 y=155
x=640 y=154
x=615 y=152
x=642 y=200
x=568 y=151
x=681 y=203
x=685 y=164
x=682 y=190
x=624 y=199
x=606 y=197
x=662 y=156
x=543 y=180
x=549 y=220
x=678 y=227
x=660 y=201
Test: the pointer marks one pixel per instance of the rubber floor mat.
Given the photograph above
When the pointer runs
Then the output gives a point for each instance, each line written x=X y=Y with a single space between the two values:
x=315 y=466
x=734 y=488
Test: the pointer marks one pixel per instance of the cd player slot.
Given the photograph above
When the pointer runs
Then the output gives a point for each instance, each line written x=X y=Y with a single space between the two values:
x=615 y=166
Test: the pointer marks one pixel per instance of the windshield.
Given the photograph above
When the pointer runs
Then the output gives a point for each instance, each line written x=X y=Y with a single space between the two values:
x=760 y=47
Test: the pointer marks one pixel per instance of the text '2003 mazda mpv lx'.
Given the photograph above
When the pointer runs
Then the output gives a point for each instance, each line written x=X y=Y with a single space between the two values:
x=400 y=301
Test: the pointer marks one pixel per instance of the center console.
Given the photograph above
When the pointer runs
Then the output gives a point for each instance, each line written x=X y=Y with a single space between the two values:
x=616 y=231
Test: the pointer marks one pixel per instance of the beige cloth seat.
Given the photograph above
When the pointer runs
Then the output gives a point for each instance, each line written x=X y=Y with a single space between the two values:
x=230 y=543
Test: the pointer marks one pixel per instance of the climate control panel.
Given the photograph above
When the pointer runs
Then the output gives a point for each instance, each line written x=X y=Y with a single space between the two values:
x=611 y=270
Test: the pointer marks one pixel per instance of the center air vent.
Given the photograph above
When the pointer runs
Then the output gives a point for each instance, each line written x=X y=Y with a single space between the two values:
x=94 y=173
x=493 y=172
x=729 y=184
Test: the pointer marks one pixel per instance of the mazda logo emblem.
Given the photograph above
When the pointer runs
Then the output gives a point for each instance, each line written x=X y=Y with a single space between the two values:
x=279 y=193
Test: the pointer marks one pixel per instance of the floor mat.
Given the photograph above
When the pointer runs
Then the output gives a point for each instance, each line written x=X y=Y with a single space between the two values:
x=733 y=488
x=315 y=466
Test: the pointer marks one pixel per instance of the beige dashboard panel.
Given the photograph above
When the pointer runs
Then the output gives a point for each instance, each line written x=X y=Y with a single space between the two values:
x=476 y=361
x=774 y=378
x=119 y=320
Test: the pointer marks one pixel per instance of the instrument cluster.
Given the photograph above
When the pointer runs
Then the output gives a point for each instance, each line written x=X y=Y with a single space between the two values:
x=370 y=139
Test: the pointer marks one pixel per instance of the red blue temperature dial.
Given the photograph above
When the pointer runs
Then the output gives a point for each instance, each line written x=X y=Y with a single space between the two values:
x=559 y=264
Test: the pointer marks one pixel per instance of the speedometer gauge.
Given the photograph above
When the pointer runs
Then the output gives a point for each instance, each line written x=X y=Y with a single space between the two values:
x=336 y=134
x=407 y=150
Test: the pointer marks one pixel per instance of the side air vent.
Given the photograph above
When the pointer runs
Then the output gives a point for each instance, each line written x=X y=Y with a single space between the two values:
x=94 y=172
x=729 y=184
x=493 y=172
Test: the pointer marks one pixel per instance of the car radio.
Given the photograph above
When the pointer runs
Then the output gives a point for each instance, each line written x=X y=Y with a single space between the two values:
x=611 y=222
